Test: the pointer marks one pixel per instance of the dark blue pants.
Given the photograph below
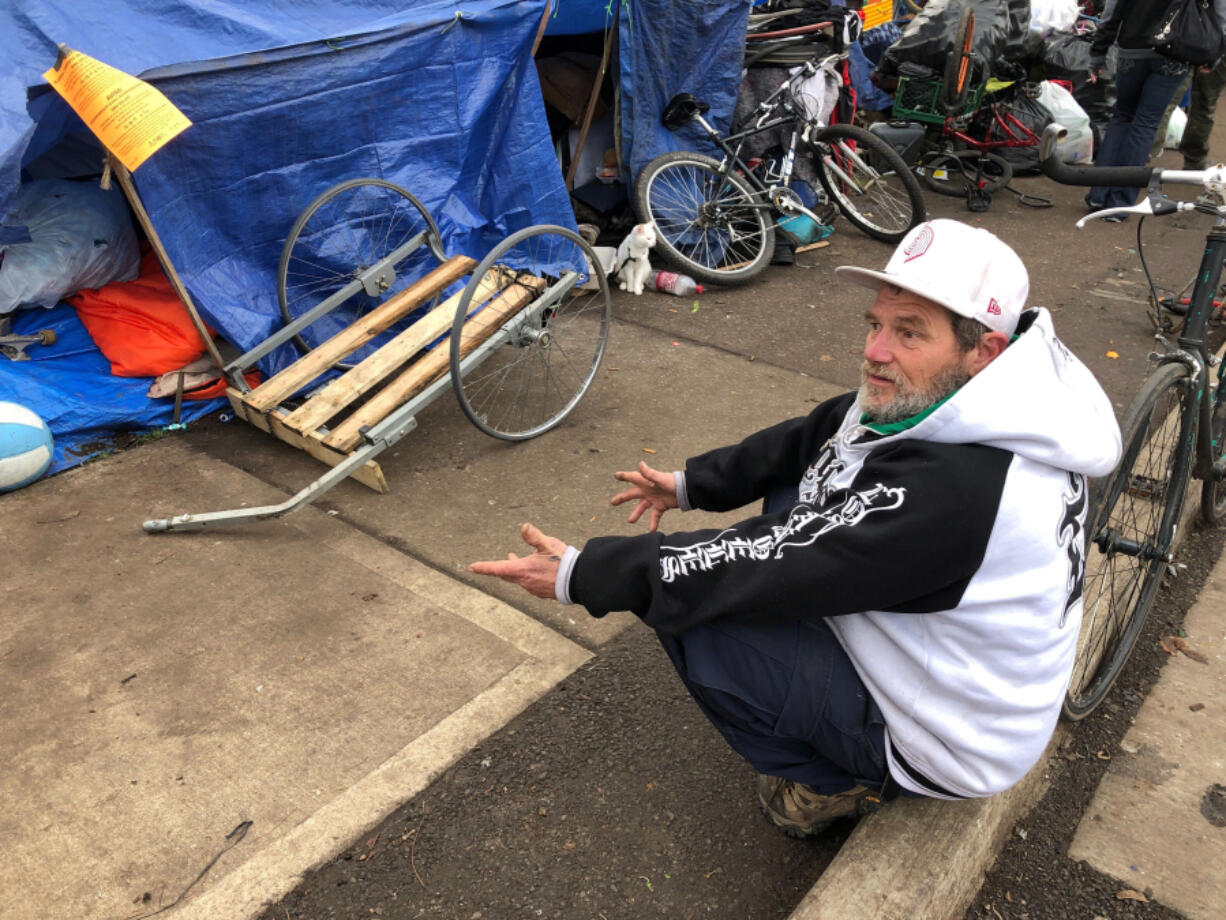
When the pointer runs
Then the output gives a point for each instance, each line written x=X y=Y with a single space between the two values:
x=1143 y=87
x=785 y=696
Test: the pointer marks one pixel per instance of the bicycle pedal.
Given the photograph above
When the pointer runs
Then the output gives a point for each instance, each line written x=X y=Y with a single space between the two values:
x=978 y=200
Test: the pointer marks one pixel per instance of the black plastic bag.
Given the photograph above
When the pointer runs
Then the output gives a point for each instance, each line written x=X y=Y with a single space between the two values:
x=1067 y=57
x=1000 y=30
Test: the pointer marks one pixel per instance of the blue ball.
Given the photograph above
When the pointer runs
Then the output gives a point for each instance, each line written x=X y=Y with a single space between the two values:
x=25 y=446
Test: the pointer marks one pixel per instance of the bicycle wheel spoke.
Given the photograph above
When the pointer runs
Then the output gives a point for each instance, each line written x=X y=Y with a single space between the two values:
x=709 y=224
x=541 y=361
x=869 y=182
x=1132 y=524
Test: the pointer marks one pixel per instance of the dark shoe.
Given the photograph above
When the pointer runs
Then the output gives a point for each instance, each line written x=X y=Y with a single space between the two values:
x=1116 y=218
x=799 y=811
x=785 y=253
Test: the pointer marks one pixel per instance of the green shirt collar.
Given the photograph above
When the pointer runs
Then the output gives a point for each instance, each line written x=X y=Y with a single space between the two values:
x=895 y=427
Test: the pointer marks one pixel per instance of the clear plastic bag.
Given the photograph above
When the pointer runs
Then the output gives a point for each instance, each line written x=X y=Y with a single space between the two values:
x=80 y=237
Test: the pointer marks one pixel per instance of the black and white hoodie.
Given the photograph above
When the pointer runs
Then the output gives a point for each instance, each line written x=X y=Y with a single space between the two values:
x=947 y=556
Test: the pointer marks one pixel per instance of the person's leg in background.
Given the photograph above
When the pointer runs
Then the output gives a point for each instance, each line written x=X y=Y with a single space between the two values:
x=1160 y=135
x=1206 y=88
x=1143 y=85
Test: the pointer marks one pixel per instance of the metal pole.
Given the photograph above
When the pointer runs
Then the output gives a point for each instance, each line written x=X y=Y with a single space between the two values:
x=129 y=190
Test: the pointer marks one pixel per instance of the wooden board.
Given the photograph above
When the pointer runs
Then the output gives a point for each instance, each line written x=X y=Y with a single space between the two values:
x=369 y=474
x=359 y=380
x=347 y=434
x=272 y=391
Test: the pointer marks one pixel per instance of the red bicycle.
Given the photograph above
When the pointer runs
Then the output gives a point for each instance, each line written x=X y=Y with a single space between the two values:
x=971 y=121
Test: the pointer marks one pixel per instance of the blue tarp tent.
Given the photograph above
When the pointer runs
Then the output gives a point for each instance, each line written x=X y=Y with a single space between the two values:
x=286 y=100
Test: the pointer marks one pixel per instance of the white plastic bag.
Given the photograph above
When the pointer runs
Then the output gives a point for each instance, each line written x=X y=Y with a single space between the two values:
x=80 y=237
x=1174 y=128
x=1047 y=16
x=1078 y=145
x=818 y=94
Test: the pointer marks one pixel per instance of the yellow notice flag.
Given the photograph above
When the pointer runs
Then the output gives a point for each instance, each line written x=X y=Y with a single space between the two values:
x=131 y=118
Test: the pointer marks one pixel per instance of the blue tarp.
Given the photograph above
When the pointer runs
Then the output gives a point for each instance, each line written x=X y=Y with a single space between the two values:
x=286 y=100
x=668 y=48
x=70 y=386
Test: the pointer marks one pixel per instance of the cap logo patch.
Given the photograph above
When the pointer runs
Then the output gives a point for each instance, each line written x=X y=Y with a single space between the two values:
x=918 y=246
x=993 y=307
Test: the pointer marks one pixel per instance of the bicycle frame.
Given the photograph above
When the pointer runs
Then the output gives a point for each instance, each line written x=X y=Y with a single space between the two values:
x=731 y=145
x=1191 y=341
x=1008 y=123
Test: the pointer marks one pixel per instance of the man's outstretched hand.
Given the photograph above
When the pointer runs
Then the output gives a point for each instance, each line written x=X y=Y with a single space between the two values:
x=651 y=489
x=536 y=573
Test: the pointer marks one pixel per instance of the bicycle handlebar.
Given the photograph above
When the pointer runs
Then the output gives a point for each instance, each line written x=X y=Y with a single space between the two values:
x=1055 y=168
x=1120 y=176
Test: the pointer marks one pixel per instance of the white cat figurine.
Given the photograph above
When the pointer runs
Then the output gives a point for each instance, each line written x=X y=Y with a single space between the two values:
x=633 y=267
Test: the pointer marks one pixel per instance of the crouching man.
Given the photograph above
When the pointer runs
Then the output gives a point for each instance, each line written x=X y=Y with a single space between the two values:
x=903 y=613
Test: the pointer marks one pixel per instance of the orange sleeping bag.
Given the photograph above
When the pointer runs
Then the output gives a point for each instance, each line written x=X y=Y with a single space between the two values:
x=141 y=326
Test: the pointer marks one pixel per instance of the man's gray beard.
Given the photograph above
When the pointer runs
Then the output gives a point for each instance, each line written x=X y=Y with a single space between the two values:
x=912 y=402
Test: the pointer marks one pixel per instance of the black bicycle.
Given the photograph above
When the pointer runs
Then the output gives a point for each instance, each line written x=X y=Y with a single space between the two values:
x=1175 y=430
x=716 y=219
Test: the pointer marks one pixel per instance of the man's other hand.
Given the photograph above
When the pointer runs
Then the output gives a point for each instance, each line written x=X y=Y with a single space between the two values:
x=651 y=489
x=537 y=573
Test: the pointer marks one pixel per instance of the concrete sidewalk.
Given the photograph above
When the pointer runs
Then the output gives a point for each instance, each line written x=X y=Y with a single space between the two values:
x=1170 y=773
x=157 y=692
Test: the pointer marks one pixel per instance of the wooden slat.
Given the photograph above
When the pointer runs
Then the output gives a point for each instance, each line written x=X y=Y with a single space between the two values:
x=369 y=474
x=346 y=435
x=309 y=366
x=369 y=373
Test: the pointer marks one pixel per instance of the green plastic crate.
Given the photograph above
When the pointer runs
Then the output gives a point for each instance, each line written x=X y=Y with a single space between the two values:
x=921 y=100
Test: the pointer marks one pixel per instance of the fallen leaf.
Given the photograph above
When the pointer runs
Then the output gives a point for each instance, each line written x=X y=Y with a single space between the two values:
x=1196 y=707
x=694 y=309
x=1129 y=894
x=648 y=450
x=1113 y=354
x=825 y=357
x=1174 y=644
x=1103 y=754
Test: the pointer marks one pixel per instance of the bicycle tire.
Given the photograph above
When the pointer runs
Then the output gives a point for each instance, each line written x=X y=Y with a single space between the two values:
x=1213 y=493
x=952 y=173
x=871 y=184
x=956 y=80
x=533 y=373
x=356 y=226
x=1139 y=502
x=715 y=228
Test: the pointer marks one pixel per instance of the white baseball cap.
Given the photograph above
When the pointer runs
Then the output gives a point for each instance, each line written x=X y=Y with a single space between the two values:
x=965 y=269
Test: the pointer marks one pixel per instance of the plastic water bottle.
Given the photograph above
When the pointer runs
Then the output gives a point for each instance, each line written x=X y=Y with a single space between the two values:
x=673 y=283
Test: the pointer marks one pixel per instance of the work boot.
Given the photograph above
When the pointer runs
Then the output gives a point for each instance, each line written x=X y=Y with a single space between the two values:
x=800 y=811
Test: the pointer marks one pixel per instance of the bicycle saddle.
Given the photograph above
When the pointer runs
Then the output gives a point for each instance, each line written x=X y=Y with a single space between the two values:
x=681 y=109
